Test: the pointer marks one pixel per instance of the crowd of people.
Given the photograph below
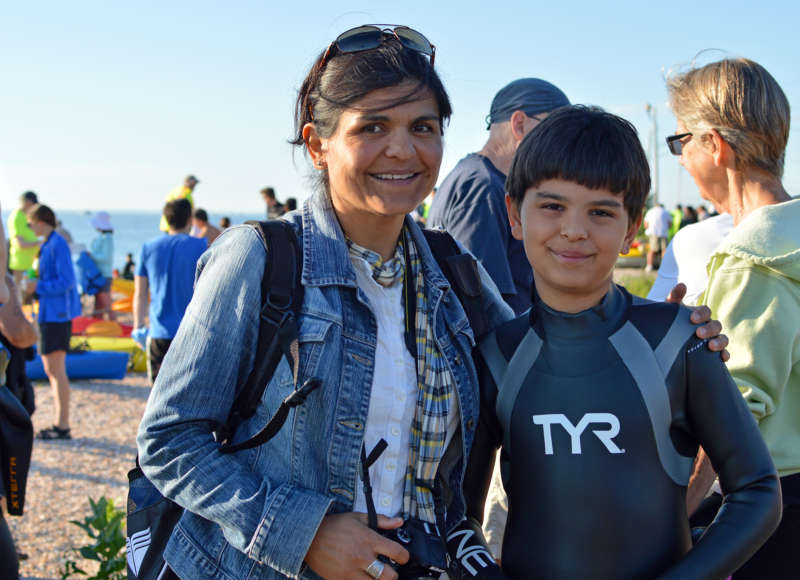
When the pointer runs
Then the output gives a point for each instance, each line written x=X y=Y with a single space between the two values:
x=586 y=433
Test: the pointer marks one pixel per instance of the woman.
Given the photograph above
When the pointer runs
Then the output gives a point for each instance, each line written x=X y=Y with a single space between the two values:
x=59 y=303
x=370 y=114
x=733 y=126
x=371 y=118
x=102 y=251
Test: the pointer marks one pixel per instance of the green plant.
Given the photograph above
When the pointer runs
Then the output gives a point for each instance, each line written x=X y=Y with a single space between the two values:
x=638 y=285
x=104 y=527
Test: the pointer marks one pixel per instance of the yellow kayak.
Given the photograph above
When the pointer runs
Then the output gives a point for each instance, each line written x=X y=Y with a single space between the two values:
x=122 y=286
x=138 y=358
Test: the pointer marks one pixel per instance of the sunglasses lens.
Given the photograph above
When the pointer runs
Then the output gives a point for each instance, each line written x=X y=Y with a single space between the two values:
x=671 y=145
x=361 y=38
x=413 y=40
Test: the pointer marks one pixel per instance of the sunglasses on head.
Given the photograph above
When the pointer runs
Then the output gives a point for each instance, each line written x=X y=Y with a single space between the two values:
x=675 y=143
x=371 y=36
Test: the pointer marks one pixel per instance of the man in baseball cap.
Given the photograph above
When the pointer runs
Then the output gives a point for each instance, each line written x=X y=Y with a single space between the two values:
x=470 y=203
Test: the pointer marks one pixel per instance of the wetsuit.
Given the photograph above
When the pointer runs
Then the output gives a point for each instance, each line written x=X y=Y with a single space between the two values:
x=599 y=415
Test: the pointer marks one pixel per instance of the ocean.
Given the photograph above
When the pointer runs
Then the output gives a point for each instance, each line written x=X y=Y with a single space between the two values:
x=131 y=229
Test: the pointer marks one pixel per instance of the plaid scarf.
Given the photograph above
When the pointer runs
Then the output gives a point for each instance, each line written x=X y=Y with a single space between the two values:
x=436 y=386
x=386 y=273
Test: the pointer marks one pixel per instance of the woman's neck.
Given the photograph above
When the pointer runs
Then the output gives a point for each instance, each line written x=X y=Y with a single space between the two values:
x=374 y=232
x=748 y=192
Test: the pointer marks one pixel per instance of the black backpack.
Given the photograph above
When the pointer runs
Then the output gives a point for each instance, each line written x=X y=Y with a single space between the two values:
x=152 y=517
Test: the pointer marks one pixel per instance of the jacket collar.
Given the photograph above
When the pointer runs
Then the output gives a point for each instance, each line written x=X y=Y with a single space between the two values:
x=325 y=256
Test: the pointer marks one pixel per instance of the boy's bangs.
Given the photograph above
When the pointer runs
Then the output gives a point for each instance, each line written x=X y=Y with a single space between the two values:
x=586 y=146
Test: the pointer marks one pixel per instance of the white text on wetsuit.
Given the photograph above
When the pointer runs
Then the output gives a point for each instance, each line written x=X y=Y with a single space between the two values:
x=605 y=436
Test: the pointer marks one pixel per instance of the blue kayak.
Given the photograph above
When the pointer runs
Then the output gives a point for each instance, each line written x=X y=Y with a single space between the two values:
x=92 y=364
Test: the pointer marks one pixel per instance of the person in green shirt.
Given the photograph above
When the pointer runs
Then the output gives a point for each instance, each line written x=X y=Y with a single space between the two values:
x=23 y=243
x=182 y=191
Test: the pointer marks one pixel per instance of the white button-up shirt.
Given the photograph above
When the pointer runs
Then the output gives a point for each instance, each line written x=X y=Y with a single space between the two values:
x=393 y=399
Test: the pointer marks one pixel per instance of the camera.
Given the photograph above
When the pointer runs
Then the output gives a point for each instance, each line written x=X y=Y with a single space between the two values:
x=427 y=550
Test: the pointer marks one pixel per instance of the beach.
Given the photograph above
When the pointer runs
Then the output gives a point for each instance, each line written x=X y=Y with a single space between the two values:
x=64 y=474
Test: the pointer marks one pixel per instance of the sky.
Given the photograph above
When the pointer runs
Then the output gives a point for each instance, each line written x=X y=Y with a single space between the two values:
x=107 y=104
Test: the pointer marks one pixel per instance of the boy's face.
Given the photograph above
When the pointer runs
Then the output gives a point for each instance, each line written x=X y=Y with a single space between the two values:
x=572 y=236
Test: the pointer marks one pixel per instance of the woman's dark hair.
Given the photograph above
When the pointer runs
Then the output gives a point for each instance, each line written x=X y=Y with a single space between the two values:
x=42 y=213
x=587 y=146
x=344 y=78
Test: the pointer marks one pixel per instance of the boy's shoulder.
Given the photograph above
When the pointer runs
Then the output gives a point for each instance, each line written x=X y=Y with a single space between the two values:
x=655 y=320
x=508 y=335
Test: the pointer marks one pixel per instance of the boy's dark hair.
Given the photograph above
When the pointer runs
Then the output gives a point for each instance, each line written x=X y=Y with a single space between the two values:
x=177 y=213
x=42 y=213
x=201 y=215
x=587 y=146
x=291 y=204
x=268 y=192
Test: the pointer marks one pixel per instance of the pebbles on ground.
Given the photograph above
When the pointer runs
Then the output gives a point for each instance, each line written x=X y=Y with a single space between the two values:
x=104 y=416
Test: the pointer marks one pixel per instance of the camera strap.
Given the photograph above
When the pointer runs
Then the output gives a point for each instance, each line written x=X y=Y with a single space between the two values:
x=366 y=463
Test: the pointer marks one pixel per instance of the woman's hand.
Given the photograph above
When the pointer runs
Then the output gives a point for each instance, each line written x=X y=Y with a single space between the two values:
x=702 y=314
x=344 y=547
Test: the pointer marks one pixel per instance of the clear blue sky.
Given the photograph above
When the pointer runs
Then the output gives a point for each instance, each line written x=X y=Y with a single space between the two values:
x=108 y=104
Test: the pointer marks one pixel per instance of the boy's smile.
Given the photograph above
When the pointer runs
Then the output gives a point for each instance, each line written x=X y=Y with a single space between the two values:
x=572 y=237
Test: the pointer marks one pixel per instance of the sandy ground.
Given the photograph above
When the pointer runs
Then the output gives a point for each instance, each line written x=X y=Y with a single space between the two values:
x=64 y=474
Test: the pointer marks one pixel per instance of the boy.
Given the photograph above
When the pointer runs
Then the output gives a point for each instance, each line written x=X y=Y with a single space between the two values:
x=601 y=399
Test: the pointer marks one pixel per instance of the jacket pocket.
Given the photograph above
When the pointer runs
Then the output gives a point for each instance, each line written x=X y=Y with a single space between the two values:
x=312 y=333
x=461 y=330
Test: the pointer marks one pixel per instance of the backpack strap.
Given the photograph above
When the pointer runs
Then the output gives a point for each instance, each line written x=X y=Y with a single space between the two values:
x=281 y=298
x=461 y=270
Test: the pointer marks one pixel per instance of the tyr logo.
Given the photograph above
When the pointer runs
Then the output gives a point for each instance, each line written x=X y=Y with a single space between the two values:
x=605 y=436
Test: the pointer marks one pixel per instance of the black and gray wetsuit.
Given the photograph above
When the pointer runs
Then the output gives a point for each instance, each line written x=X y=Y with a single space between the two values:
x=600 y=415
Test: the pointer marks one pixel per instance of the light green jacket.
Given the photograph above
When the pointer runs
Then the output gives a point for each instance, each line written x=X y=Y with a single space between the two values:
x=754 y=289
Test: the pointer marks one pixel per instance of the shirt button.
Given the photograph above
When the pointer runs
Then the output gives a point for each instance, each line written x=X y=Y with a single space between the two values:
x=385 y=502
x=395 y=431
x=458 y=360
x=390 y=466
x=401 y=396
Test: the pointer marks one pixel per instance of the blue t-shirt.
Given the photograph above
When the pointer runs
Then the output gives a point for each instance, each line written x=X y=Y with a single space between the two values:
x=168 y=262
x=470 y=204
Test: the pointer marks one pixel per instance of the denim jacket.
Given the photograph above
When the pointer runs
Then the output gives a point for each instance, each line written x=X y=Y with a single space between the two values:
x=254 y=514
x=57 y=287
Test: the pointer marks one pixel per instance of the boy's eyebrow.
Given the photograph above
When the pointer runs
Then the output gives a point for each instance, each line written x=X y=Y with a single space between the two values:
x=557 y=197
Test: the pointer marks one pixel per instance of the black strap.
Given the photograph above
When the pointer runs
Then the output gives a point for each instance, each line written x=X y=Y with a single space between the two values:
x=281 y=298
x=366 y=463
x=461 y=270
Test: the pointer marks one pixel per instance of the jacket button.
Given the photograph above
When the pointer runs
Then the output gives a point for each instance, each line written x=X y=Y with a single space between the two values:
x=458 y=360
x=470 y=424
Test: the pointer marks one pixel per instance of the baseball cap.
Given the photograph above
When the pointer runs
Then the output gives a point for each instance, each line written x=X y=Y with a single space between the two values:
x=531 y=96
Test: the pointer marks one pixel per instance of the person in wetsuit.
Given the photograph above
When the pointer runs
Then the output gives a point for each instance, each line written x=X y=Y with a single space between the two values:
x=600 y=400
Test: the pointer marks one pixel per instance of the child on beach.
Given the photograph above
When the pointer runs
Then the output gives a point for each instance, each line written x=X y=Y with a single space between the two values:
x=600 y=399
